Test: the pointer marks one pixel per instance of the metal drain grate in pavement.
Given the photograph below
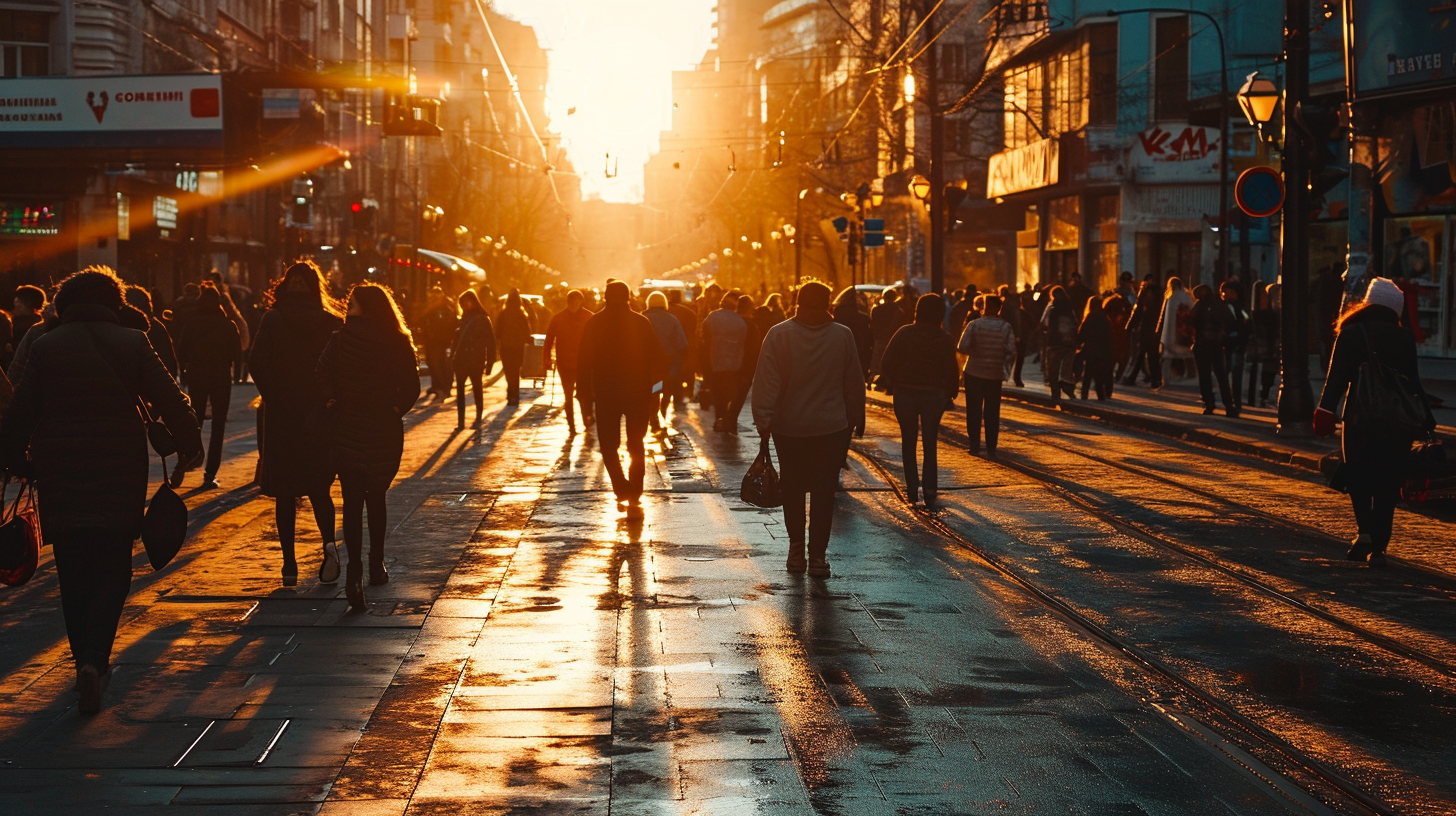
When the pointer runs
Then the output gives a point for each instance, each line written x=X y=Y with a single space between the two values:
x=233 y=744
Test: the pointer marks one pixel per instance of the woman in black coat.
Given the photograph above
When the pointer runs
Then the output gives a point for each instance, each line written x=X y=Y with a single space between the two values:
x=370 y=378
x=294 y=456
x=1097 y=350
x=471 y=354
x=1375 y=456
x=209 y=350
x=919 y=370
x=513 y=330
x=75 y=414
x=847 y=313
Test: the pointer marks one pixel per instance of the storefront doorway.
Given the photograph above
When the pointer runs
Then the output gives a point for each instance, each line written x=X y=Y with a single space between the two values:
x=1170 y=253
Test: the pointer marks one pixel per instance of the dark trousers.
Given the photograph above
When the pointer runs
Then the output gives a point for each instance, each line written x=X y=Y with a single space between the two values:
x=1148 y=360
x=511 y=366
x=285 y=510
x=438 y=361
x=568 y=391
x=1375 y=512
x=94 y=572
x=216 y=393
x=1020 y=362
x=1234 y=362
x=1057 y=365
x=1261 y=380
x=983 y=403
x=741 y=386
x=809 y=467
x=611 y=414
x=724 y=386
x=1097 y=376
x=363 y=493
x=461 y=378
x=918 y=410
x=1213 y=366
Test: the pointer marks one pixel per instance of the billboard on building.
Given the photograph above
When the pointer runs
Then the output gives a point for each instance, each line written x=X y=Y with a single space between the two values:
x=1398 y=46
x=127 y=112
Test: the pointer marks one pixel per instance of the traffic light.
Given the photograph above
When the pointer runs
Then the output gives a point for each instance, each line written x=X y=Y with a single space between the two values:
x=363 y=212
x=300 y=214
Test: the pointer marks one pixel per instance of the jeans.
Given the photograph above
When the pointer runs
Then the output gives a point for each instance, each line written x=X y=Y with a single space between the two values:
x=94 y=572
x=1235 y=366
x=983 y=401
x=611 y=412
x=461 y=378
x=217 y=393
x=809 y=466
x=1213 y=365
x=918 y=411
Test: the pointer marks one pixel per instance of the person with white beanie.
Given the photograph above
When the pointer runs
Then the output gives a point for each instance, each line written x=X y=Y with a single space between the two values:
x=1375 y=451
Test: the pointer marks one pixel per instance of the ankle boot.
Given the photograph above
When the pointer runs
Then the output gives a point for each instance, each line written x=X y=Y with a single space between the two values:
x=378 y=575
x=797 y=562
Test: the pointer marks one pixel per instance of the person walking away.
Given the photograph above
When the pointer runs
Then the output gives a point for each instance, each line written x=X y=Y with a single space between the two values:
x=1079 y=292
x=472 y=355
x=960 y=312
x=989 y=345
x=885 y=319
x=513 y=329
x=210 y=350
x=1175 y=331
x=1236 y=344
x=920 y=376
x=1375 y=455
x=1263 y=352
x=75 y=414
x=1014 y=317
x=752 y=345
x=441 y=321
x=847 y=313
x=161 y=339
x=1142 y=328
x=301 y=318
x=770 y=314
x=1096 y=347
x=621 y=361
x=1118 y=309
x=563 y=350
x=29 y=303
x=369 y=380
x=683 y=386
x=674 y=342
x=724 y=334
x=809 y=396
x=1211 y=321
x=245 y=338
x=1059 y=338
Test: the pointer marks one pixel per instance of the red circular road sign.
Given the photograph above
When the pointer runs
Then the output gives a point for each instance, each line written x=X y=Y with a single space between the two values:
x=1259 y=191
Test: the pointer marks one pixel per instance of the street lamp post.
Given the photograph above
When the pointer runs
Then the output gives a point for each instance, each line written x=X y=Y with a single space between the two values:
x=1296 y=399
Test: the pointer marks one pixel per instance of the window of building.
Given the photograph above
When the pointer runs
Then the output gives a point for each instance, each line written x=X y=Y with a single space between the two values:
x=1047 y=98
x=953 y=62
x=1011 y=12
x=1102 y=73
x=1105 y=211
x=25 y=38
x=1025 y=97
x=1064 y=227
x=1170 y=69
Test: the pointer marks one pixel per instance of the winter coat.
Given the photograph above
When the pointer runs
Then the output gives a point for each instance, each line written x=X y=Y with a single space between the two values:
x=210 y=346
x=1059 y=324
x=1371 y=459
x=1143 y=322
x=990 y=346
x=1240 y=328
x=809 y=381
x=1212 y=323
x=1168 y=332
x=848 y=314
x=920 y=356
x=621 y=357
x=1094 y=339
x=474 y=346
x=284 y=362
x=670 y=335
x=563 y=336
x=369 y=378
x=724 y=333
x=438 y=327
x=513 y=329
x=76 y=412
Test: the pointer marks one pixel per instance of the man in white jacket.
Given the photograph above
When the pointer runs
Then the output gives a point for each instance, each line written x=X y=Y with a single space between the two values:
x=989 y=344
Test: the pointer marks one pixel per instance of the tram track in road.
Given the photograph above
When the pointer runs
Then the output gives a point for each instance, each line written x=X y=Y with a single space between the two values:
x=1252 y=733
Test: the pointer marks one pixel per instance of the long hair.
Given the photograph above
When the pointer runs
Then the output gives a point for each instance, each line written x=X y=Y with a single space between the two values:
x=303 y=283
x=1174 y=285
x=846 y=295
x=378 y=307
x=1094 y=307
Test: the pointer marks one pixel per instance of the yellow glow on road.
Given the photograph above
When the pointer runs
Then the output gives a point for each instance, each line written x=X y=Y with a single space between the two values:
x=612 y=60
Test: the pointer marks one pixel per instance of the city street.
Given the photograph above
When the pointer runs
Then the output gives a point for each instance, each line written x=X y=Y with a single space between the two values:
x=1101 y=622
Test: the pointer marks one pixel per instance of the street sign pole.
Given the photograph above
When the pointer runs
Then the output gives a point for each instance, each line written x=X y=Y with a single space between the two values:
x=1296 y=400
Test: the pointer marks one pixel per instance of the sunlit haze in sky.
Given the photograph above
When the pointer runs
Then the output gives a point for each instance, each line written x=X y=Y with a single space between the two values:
x=613 y=60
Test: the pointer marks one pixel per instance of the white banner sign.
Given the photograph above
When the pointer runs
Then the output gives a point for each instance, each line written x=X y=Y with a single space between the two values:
x=111 y=111
x=1175 y=153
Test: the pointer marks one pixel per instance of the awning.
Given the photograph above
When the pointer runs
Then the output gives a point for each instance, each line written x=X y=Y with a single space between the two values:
x=454 y=262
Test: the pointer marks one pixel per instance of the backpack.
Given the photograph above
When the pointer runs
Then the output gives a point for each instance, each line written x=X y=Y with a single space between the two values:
x=1382 y=403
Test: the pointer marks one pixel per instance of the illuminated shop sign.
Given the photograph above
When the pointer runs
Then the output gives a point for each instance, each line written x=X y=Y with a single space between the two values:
x=29 y=219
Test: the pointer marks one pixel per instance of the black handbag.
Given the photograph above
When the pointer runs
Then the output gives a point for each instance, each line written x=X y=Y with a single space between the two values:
x=1384 y=403
x=761 y=482
x=164 y=527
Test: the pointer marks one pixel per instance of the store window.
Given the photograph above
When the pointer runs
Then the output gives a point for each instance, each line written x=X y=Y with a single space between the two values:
x=1170 y=69
x=1105 y=211
x=1064 y=223
x=1415 y=251
x=1102 y=73
x=25 y=38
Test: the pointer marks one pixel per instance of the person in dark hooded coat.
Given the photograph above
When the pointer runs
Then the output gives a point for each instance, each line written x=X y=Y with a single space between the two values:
x=141 y=300
x=370 y=378
x=472 y=355
x=294 y=456
x=209 y=350
x=74 y=424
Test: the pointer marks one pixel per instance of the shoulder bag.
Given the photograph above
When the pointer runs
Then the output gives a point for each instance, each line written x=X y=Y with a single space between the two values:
x=20 y=538
x=1384 y=403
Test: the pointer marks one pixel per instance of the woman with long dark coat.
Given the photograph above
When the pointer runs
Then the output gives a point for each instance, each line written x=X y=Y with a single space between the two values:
x=295 y=456
x=472 y=354
x=919 y=371
x=1375 y=455
x=370 y=378
x=1098 y=349
x=512 y=331
x=75 y=414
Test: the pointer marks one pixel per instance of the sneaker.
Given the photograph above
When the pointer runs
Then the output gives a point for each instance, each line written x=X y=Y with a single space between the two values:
x=329 y=569
x=210 y=483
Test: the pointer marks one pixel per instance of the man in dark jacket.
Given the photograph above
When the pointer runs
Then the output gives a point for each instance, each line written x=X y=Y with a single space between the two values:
x=75 y=414
x=210 y=350
x=1212 y=324
x=440 y=322
x=682 y=389
x=621 y=363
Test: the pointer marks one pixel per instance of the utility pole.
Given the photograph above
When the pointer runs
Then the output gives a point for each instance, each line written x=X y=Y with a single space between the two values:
x=1296 y=400
x=937 y=155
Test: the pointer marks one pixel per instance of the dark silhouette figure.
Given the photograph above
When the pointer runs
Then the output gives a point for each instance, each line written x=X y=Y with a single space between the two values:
x=563 y=350
x=370 y=379
x=1211 y=327
x=989 y=343
x=438 y=329
x=472 y=355
x=294 y=447
x=75 y=414
x=681 y=388
x=919 y=371
x=141 y=300
x=209 y=350
x=513 y=329
x=1096 y=347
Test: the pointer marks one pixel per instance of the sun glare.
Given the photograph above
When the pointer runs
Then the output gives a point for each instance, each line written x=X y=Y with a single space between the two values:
x=611 y=61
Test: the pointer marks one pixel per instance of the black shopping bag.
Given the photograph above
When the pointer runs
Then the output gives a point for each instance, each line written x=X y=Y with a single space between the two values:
x=761 y=482
x=165 y=526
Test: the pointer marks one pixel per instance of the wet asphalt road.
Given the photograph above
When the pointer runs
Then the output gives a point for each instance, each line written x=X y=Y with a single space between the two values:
x=1196 y=646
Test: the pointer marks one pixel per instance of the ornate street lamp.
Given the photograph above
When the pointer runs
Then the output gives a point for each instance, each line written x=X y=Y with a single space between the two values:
x=1259 y=99
x=920 y=187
